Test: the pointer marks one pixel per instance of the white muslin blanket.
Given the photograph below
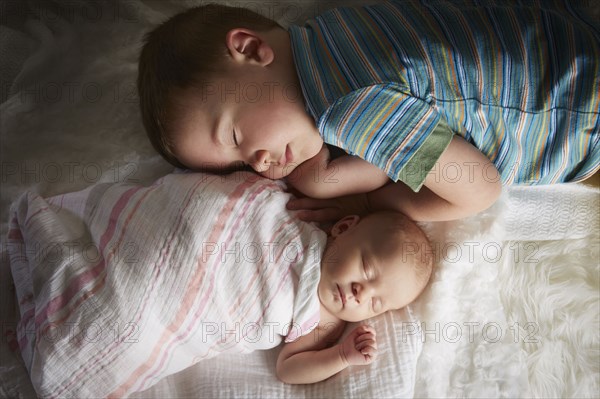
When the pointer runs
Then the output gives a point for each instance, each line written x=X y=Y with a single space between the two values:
x=121 y=285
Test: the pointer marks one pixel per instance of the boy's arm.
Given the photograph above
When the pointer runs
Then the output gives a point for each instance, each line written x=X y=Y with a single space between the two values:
x=320 y=177
x=463 y=182
x=312 y=358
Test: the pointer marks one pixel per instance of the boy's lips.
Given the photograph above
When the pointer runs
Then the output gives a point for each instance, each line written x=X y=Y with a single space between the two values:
x=286 y=157
x=342 y=296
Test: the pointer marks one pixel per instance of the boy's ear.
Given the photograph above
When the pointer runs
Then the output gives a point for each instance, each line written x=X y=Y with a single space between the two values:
x=344 y=224
x=245 y=45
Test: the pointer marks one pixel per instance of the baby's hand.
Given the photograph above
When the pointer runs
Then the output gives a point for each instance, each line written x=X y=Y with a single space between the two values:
x=360 y=347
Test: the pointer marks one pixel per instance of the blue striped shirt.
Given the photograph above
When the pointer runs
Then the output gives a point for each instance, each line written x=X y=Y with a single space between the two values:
x=393 y=82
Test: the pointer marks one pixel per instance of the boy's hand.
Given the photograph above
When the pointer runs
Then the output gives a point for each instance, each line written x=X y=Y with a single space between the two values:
x=310 y=171
x=360 y=347
x=328 y=211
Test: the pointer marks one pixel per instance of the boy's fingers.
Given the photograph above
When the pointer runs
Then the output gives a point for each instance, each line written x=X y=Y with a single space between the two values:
x=292 y=190
x=308 y=203
x=321 y=215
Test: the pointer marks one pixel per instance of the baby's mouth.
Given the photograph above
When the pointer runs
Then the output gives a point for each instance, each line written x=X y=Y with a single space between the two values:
x=342 y=296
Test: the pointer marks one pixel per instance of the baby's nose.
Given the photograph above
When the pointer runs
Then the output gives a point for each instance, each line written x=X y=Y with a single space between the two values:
x=362 y=292
x=357 y=292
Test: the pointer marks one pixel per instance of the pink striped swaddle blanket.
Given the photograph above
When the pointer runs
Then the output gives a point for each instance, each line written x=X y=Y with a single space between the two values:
x=121 y=285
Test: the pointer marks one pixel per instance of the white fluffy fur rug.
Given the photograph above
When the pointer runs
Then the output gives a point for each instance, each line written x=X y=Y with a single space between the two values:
x=513 y=308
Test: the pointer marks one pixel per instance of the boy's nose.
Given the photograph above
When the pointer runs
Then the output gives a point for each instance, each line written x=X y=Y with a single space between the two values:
x=262 y=161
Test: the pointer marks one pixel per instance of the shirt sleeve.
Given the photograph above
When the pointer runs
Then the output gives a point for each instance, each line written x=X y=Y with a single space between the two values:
x=384 y=125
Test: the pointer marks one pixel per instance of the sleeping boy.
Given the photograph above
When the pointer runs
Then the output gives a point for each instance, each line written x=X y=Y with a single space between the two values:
x=445 y=100
x=370 y=265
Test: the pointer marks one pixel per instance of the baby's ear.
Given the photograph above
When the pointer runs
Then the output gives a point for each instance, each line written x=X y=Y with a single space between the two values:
x=344 y=224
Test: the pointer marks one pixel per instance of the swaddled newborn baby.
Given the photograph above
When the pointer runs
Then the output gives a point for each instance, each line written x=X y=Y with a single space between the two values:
x=370 y=265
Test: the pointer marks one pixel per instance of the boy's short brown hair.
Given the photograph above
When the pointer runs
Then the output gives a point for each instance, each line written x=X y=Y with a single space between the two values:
x=186 y=49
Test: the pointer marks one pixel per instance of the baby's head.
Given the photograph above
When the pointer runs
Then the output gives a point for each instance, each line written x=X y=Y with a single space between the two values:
x=374 y=264
x=219 y=91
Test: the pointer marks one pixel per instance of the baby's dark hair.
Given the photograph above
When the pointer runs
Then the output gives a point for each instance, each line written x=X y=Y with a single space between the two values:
x=413 y=241
x=187 y=49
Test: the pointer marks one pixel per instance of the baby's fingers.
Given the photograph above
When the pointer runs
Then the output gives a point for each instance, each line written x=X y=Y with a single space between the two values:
x=367 y=343
x=365 y=331
x=365 y=335
x=369 y=353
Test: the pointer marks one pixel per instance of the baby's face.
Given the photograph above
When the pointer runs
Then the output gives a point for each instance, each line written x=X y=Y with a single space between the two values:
x=363 y=276
x=247 y=119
